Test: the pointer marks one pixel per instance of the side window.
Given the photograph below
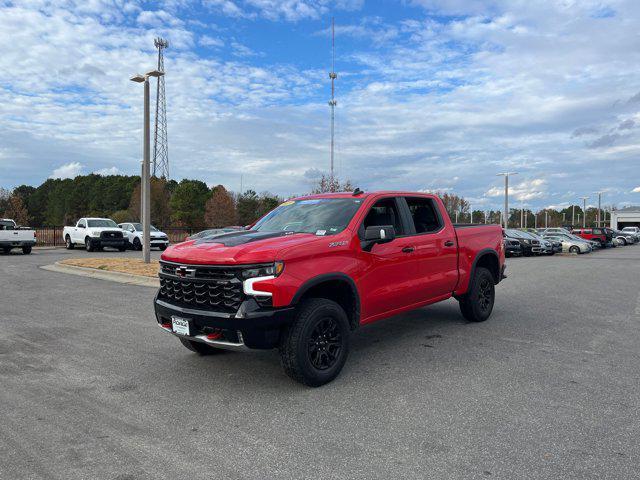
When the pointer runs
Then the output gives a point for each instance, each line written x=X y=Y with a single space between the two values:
x=587 y=231
x=597 y=231
x=424 y=214
x=384 y=212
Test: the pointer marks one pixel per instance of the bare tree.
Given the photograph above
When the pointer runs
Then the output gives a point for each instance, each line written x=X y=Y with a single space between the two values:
x=220 y=209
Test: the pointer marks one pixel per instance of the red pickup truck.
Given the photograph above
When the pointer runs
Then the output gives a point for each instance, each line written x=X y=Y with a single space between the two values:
x=316 y=268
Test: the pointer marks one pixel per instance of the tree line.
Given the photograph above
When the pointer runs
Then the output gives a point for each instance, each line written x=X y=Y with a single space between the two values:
x=188 y=203
x=191 y=203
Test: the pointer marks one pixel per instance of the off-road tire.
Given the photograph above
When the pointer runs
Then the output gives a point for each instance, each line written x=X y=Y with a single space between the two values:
x=137 y=245
x=26 y=250
x=477 y=304
x=199 y=347
x=88 y=245
x=68 y=244
x=319 y=334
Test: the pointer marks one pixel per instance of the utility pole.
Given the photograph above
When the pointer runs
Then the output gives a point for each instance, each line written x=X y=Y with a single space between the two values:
x=521 y=215
x=146 y=166
x=506 y=196
x=526 y=218
x=332 y=102
x=599 y=208
x=584 y=212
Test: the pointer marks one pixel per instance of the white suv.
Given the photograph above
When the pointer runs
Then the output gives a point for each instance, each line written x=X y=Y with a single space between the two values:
x=133 y=234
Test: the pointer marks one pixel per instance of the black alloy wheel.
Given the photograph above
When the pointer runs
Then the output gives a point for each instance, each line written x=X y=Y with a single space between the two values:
x=315 y=346
x=477 y=304
x=325 y=344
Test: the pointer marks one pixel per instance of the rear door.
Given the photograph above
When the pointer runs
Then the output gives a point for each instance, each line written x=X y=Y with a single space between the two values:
x=389 y=269
x=436 y=248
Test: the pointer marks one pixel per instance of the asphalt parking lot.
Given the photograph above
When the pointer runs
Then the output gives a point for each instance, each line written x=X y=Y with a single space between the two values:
x=548 y=387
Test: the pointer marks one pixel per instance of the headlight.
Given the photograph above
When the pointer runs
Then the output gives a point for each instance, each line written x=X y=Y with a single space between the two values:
x=527 y=241
x=272 y=270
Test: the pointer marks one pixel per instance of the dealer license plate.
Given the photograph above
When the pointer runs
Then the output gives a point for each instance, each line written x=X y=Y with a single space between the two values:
x=180 y=325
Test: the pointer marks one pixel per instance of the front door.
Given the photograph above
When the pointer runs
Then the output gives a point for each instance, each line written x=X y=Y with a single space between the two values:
x=389 y=269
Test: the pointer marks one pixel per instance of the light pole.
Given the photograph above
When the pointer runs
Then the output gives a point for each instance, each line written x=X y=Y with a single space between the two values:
x=145 y=210
x=564 y=218
x=535 y=220
x=505 y=217
x=546 y=218
x=599 y=208
x=573 y=215
x=584 y=212
x=521 y=215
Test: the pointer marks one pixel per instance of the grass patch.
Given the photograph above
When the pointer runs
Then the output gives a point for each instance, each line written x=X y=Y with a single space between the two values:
x=133 y=266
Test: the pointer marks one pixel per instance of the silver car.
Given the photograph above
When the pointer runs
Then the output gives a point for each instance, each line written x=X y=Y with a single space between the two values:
x=569 y=245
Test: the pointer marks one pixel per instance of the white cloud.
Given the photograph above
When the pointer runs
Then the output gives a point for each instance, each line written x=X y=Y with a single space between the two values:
x=108 y=171
x=636 y=190
x=69 y=170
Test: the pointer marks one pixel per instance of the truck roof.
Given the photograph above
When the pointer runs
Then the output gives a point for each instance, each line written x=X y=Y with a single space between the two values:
x=360 y=195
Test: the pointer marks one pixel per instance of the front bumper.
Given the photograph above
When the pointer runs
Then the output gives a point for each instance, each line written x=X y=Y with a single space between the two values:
x=108 y=242
x=252 y=326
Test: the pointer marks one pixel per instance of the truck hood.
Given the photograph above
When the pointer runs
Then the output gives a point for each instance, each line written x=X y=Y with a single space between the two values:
x=242 y=247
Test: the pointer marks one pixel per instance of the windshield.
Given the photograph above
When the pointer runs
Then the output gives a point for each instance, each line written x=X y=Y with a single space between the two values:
x=102 y=223
x=138 y=227
x=320 y=216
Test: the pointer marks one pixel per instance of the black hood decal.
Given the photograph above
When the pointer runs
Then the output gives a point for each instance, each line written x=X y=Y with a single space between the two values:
x=234 y=239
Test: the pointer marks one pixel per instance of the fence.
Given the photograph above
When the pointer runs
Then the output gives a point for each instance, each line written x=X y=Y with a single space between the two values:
x=52 y=236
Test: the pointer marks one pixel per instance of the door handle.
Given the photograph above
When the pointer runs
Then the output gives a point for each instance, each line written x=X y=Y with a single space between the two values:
x=449 y=243
x=408 y=249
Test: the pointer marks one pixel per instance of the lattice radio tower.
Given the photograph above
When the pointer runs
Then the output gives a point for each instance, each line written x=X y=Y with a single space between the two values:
x=332 y=102
x=160 y=140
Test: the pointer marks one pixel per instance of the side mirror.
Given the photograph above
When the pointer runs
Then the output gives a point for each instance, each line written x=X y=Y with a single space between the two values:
x=80 y=226
x=377 y=234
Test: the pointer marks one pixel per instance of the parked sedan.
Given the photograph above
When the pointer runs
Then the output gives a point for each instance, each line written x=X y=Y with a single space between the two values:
x=530 y=246
x=549 y=247
x=512 y=247
x=625 y=238
x=211 y=232
x=133 y=235
x=569 y=245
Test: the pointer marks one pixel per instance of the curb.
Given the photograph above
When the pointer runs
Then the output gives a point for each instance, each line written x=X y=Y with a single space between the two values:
x=118 y=277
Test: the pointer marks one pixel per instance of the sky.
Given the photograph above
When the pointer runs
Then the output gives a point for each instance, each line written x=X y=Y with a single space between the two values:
x=431 y=94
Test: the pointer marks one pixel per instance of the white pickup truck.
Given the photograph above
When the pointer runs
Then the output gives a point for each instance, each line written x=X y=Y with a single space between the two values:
x=12 y=236
x=94 y=234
